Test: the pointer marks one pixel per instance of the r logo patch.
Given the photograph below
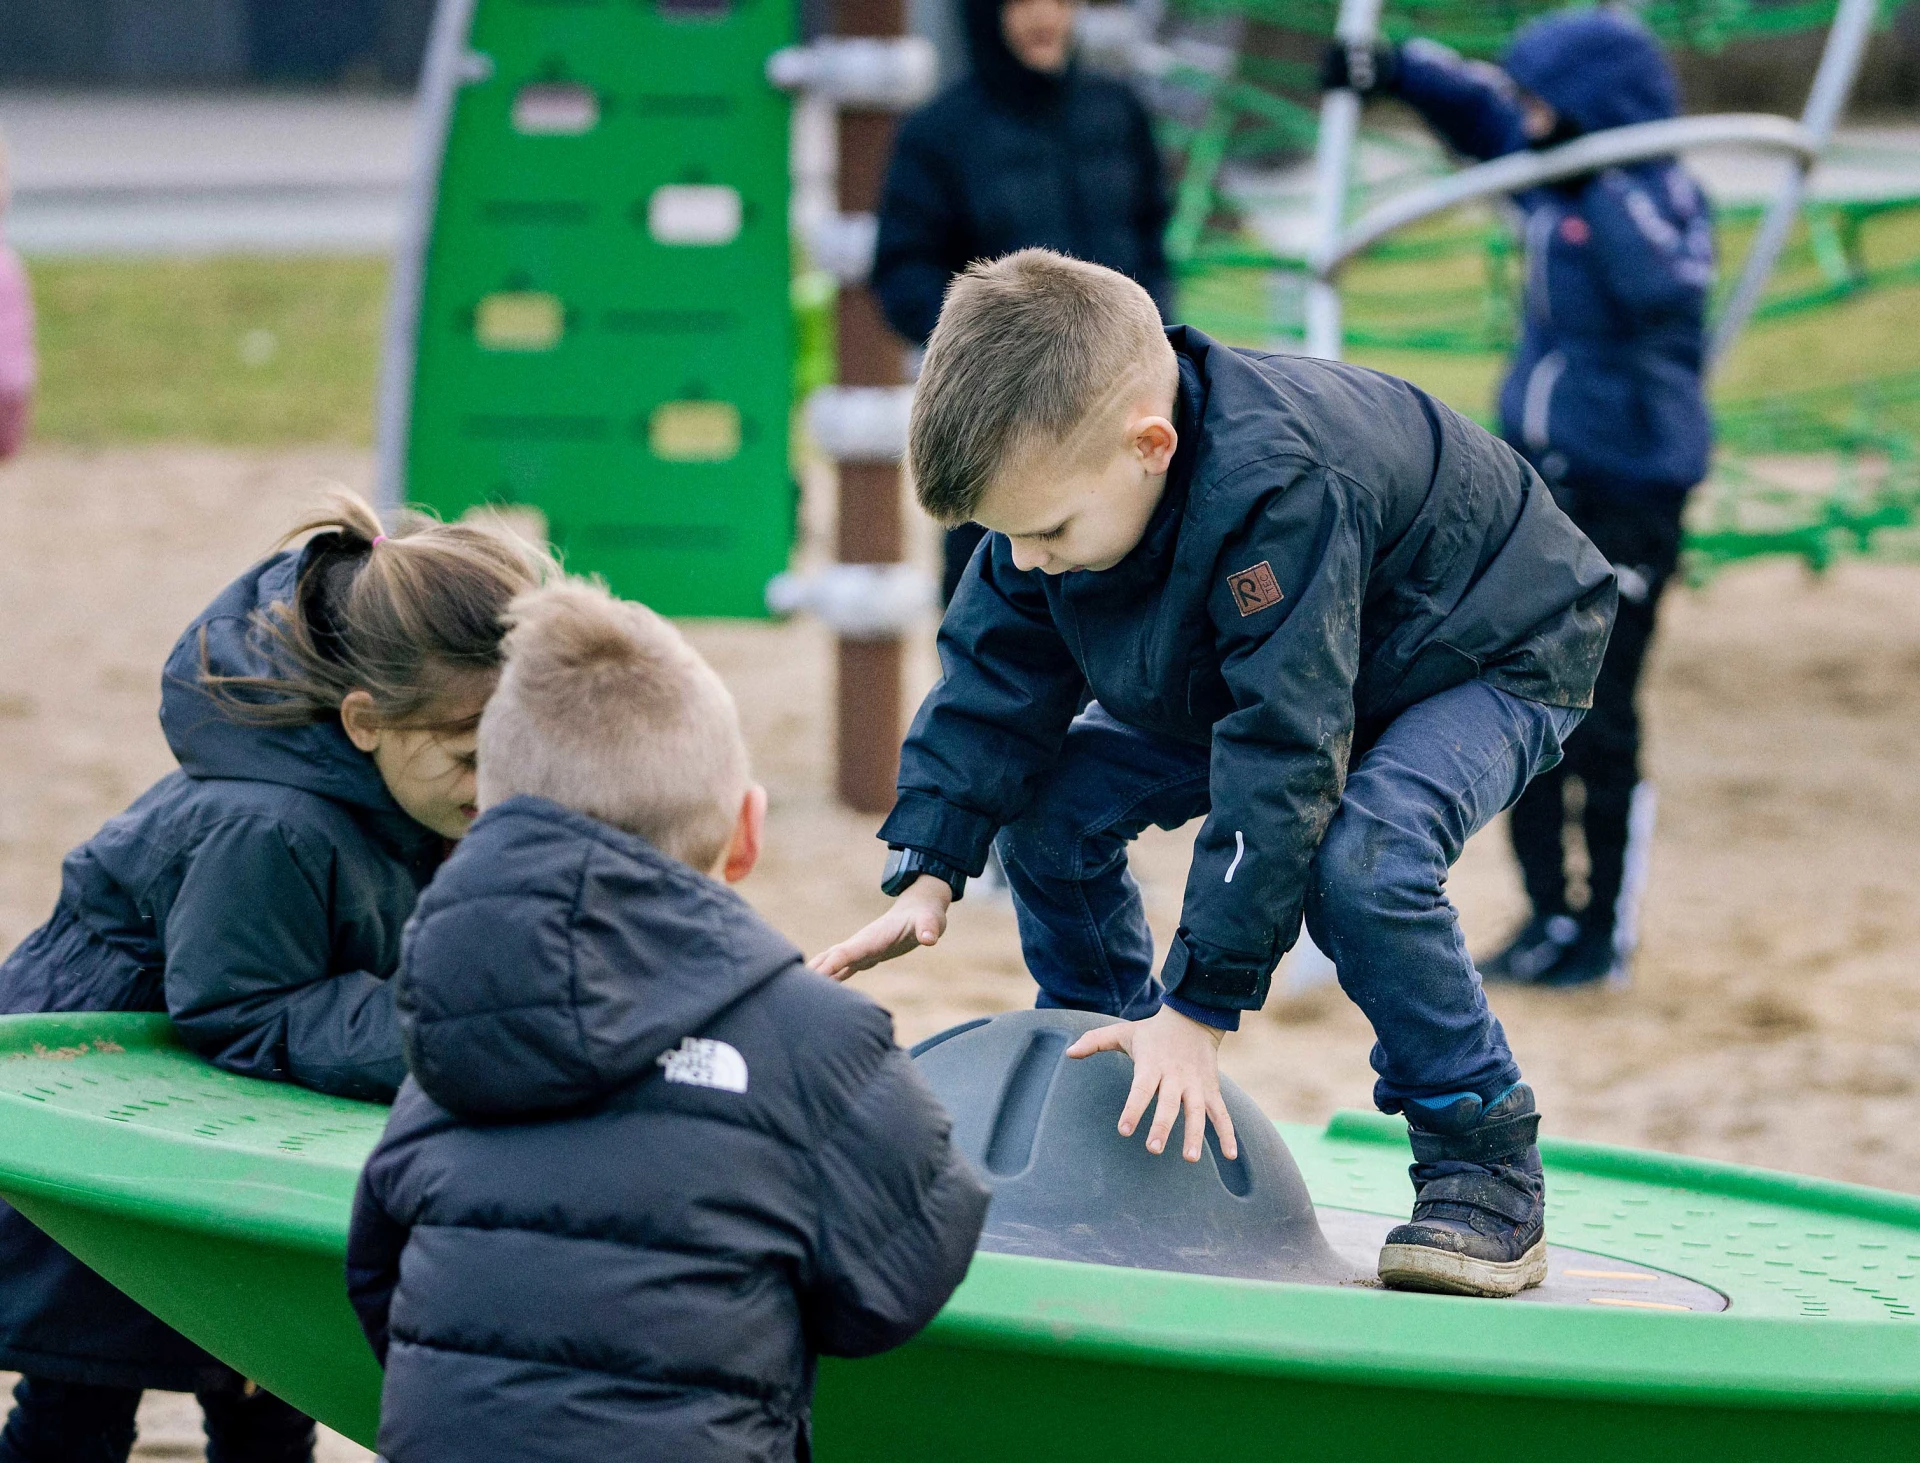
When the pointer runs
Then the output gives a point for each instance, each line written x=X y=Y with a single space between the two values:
x=1255 y=589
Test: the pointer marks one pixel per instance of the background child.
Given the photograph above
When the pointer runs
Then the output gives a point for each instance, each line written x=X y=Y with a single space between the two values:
x=1605 y=397
x=1028 y=149
x=648 y=1166
x=1313 y=604
x=323 y=713
x=16 y=333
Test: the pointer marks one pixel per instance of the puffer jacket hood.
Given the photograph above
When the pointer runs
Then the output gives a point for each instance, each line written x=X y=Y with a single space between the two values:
x=612 y=954
x=315 y=758
x=1002 y=73
x=1598 y=68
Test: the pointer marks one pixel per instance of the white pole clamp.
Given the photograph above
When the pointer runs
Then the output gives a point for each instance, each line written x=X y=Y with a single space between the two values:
x=861 y=423
x=891 y=75
x=858 y=601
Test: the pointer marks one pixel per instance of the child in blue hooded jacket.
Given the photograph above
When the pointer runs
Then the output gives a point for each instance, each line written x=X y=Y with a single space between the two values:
x=1605 y=397
x=323 y=711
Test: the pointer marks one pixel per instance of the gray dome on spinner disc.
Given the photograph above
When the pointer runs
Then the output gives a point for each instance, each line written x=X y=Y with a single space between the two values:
x=1067 y=1186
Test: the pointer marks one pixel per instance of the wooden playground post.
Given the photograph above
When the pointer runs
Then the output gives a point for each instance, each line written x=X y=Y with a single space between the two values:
x=867 y=712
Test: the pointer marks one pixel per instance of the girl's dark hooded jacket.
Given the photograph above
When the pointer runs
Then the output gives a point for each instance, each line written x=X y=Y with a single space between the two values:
x=647 y=1167
x=1012 y=158
x=257 y=895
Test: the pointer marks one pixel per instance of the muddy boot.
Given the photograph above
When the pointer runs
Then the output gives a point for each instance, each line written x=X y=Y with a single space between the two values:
x=1479 y=1209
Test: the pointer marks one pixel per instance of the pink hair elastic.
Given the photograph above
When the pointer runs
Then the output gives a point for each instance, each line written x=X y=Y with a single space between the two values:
x=378 y=539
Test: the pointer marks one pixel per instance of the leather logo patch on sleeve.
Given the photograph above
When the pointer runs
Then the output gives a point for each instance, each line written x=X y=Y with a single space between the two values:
x=1254 y=589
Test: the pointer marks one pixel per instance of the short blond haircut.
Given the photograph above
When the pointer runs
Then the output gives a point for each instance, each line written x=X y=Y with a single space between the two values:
x=604 y=708
x=1030 y=350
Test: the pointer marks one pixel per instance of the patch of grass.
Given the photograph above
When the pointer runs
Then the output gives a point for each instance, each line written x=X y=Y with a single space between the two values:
x=224 y=350
x=270 y=351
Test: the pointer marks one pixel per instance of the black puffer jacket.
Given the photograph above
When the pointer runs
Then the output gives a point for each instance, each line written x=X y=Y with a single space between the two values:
x=1333 y=545
x=648 y=1166
x=1012 y=158
x=257 y=895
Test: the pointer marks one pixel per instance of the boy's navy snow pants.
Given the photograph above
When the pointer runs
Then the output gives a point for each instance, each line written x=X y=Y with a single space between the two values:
x=1376 y=899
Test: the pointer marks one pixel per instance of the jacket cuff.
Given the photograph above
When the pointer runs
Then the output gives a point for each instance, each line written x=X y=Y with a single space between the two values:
x=1205 y=1015
x=1204 y=975
x=953 y=835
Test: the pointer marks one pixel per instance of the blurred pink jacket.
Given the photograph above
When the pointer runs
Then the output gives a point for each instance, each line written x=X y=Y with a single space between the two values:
x=16 y=352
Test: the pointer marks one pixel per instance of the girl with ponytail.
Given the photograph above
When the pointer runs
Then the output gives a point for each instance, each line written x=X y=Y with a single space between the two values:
x=323 y=712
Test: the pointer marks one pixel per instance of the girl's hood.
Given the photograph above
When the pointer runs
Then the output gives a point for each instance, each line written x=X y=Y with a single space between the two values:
x=316 y=757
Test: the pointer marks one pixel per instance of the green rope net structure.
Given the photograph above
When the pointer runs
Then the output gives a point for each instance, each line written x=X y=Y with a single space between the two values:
x=1821 y=471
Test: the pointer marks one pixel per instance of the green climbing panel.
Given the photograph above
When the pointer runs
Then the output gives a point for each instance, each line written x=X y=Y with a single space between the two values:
x=604 y=331
x=222 y=1203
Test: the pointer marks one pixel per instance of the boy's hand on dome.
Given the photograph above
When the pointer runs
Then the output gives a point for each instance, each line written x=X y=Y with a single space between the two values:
x=1176 y=1066
x=918 y=917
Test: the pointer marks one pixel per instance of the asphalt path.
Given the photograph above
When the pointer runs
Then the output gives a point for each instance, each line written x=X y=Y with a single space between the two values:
x=261 y=172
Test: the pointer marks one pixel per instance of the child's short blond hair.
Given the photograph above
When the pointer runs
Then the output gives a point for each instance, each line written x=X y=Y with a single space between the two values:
x=604 y=708
x=1030 y=348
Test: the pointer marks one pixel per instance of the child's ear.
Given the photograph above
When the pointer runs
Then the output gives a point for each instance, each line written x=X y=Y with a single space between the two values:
x=743 y=849
x=357 y=719
x=1154 y=439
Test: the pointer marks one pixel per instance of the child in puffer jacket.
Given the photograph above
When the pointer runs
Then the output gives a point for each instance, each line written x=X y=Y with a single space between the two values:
x=648 y=1166
x=17 y=372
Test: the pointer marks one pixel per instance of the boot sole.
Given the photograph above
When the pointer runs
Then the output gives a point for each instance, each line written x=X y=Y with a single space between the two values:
x=1441 y=1272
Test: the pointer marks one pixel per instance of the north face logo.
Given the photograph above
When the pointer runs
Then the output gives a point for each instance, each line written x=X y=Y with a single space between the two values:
x=701 y=1061
x=1254 y=589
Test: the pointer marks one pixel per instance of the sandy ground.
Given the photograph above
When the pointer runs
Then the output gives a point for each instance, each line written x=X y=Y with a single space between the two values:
x=1775 y=1015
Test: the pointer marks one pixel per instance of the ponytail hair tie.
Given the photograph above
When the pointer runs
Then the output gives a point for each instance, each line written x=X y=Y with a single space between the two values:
x=378 y=539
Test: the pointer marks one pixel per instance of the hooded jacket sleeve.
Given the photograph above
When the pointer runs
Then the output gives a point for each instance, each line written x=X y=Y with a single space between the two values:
x=994 y=722
x=1279 y=756
x=247 y=982
x=901 y=1214
x=1470 y=105
x=374 y=1242
x=922 y=241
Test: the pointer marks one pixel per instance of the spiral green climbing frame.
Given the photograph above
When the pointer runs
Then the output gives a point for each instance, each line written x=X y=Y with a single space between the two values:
x=1446 y=290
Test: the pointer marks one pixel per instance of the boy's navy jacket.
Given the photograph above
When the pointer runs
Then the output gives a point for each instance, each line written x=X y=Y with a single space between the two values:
x=257 y=895
x=1012 y=158
x=647 y=1167
x=1333 y=545
x=1606 y=388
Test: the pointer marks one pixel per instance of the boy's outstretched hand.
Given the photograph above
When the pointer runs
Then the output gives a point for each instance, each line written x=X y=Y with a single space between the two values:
x=918 y=917
x=1175 y=1060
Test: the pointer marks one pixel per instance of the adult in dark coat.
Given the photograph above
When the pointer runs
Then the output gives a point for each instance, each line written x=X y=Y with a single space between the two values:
x=1028 y=149
x=257 y=895
x=648 y=1166
x=1605 y=396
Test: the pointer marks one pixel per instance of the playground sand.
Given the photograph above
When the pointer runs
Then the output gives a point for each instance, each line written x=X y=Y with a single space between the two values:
x=1775 y=1015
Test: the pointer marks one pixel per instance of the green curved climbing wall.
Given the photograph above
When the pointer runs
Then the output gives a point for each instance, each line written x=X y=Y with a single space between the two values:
x=603 y=329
